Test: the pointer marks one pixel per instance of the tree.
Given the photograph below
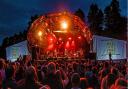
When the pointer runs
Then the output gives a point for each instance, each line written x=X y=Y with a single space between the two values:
x=95 y=19
x=112 y=18
x=33 y=18
x=80 y=14
x=122 y=32
x=2 y=52
x=5 y=43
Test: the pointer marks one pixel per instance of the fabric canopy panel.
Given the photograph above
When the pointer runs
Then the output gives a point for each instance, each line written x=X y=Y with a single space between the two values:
x=103 y=46
x=17 y=50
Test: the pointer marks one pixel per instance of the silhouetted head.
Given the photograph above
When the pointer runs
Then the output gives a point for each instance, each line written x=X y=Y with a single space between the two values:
x=10 y=71
x=51 y=67
x=31 y=74
x=75 y=79
x=45 y=87
x=121 y=82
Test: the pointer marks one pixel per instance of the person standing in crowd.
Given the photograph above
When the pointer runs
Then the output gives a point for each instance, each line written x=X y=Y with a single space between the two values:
x=75 y=80
x=108 y=81
x=31 y=80
x=2 y=69
x=0 y=81
x=10 y=78
x=61 y=74
x=120 y=83
x=51 y=76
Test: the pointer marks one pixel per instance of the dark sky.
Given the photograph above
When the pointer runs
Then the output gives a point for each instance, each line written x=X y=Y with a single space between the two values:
x=15 y=14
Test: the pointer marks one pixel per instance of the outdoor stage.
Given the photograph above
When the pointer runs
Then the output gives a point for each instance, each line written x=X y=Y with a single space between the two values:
x=65 y=35
x=59 y=35
x=101 y=46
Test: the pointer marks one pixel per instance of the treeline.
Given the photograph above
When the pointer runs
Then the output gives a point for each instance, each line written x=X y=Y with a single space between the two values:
x=21 y=36
x=108 y=22
x=16 y=38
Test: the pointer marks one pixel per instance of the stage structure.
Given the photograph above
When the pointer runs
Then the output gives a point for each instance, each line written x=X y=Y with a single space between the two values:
x=103 y=46
x=59 y=35
x=16 y=51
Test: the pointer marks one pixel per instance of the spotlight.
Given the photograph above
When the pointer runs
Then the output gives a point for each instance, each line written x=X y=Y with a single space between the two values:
x=39 y=33
x=51 y=39
x=69 y=38
x=79 y=37
x=64 y=25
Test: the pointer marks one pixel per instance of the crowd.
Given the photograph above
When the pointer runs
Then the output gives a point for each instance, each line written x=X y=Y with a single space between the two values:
x=62 y=74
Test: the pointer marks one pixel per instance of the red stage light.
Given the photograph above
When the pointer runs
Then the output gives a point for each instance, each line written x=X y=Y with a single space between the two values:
x=79 y=37
x=67 y=45
x=73 y=44
x=51 y=39
x=74 y=54
x=60 y=39
x=70 y=38
x=50 y=47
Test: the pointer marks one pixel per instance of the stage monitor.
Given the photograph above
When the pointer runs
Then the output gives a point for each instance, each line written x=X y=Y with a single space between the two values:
x=15 y=51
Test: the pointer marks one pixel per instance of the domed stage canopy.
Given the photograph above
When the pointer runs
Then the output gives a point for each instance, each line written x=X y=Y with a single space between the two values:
x=59 y=35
